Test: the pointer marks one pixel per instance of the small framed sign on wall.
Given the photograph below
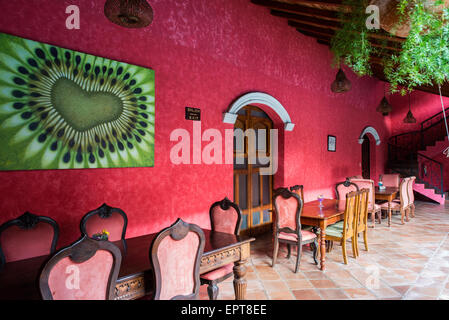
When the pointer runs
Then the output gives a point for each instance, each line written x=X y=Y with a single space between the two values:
x=193 y=114
x=331 y=143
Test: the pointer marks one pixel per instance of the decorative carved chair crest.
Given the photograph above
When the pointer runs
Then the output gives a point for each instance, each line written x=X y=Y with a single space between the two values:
x=179 y=229
x=284 y=192
x=347 y=182
x=225 y=203
x=27 y=220
x=104 y=211
x=295 y=187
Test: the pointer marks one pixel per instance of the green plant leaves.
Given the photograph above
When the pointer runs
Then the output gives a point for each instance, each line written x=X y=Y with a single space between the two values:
x=424 y=58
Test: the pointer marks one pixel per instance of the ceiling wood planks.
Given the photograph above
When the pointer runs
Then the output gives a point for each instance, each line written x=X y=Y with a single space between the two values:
x=319 y=19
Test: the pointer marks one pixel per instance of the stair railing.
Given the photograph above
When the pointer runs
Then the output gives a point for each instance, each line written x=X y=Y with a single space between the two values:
x=433 y=129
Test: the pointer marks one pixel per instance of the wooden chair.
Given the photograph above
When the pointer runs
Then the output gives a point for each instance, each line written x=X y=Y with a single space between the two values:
x=27 y=236
x=86 y=270
x=403 y=205
x=390 y=180
x=114 y=220
x=341 y=190
x=225 y=217
x=345 y=187
x=287 y=209
x=362 y=219
x=373 y=208
x=345 y=230
x=175 y=255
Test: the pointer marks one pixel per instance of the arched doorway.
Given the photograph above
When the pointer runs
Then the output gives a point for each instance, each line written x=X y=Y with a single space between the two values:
x=253 y=191
x=369 y=138
x=366 y=163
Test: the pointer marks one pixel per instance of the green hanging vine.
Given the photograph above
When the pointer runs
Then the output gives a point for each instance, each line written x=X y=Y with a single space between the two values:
x=424 y=56
x=350 y=44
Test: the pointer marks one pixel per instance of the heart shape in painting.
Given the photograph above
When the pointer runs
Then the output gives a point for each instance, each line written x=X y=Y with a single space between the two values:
x=81 y=109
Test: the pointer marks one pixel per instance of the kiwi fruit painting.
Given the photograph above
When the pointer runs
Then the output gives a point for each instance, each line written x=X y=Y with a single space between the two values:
x=62 y=109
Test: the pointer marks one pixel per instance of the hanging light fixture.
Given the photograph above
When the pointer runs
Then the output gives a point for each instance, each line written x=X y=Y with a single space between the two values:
x=341 y=83
x=129 y=13
x=384 y=106
x=409 y=118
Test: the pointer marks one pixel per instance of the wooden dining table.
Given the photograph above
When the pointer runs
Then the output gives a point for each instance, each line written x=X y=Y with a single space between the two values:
x=388 y=194
x=321 y=217
x=19 y=279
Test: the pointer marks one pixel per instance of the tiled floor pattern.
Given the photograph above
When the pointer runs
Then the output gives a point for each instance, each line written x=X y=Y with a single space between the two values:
x=408 y=261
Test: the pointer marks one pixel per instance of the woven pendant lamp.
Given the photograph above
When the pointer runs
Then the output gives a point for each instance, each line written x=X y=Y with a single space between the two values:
x=341 y=83
x=384 y=106
x=129 y=13
x=409 y=118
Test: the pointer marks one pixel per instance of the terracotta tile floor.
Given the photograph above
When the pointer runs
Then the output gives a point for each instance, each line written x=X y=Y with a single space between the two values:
x=408 y=261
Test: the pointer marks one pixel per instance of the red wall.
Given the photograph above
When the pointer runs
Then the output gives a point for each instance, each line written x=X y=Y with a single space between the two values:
x=205 y=54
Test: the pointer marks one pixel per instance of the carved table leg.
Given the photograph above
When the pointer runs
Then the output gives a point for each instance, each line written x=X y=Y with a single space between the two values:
x=239 y=279
x=323 y=245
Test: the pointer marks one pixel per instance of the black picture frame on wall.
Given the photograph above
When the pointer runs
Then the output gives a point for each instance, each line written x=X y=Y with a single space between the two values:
x=331 y=143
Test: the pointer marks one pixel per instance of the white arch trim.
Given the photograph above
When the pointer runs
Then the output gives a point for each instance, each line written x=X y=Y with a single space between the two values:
x=373 y=132
x=258 y=98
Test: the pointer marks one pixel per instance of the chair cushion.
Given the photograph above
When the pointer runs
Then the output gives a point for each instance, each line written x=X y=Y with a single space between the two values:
x=306 y=235
x=338 y=225
x=336 y=231
x=218 y=273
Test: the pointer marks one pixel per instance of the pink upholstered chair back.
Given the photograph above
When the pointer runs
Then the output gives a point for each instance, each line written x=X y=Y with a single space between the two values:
x=176 y=255
x=367 y=184
x=390 y=180
x=343 y=188
x=356 y=177
x=403 y=190
x=411 y=195
x=288 y=207
x=225 y=217
x=113 y=220
x=26 y=237
x=86 y=270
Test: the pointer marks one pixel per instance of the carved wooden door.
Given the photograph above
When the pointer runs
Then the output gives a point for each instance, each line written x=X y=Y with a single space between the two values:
x=253 y=191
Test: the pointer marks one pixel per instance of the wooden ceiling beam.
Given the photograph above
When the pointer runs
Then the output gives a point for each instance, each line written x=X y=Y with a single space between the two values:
x=378 y=36
x=296 y=8
x=332 y=5
x=314 y=21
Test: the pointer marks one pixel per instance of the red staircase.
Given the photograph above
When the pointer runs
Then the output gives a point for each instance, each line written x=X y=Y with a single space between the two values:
x=420 y=153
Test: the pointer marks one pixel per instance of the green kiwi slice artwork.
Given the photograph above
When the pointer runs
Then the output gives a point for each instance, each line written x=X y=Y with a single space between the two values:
x=63 y=109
